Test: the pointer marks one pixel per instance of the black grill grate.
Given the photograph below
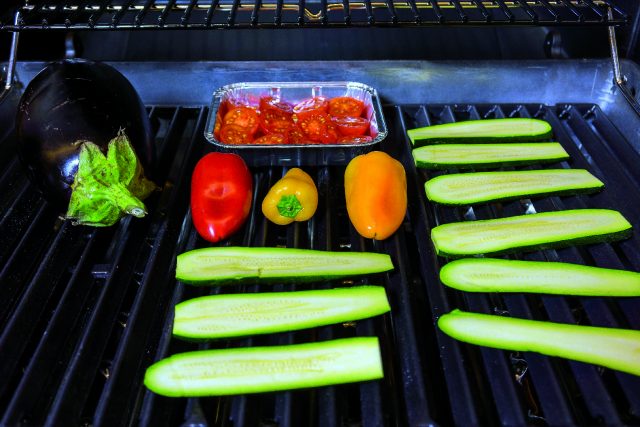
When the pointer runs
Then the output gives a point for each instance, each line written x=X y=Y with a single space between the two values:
x=86 y=311
x=204 y=14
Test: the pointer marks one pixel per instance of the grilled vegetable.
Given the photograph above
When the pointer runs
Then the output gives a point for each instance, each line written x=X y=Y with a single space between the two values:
x=293 y=198
x=501 y=275
x=85 y=139
x=261 y=369
x=612 y=348
x=477 y=156
x=529 y=232
x=223 y=265
x=481 y=187
x=233 y=315
x=375 y=187
x=221 y=195
x=490 y=130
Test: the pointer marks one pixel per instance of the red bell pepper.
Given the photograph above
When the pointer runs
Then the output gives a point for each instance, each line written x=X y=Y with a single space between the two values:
x=221 y=195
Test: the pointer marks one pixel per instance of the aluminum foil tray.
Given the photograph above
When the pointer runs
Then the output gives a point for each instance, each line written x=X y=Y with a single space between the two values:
x=293 y=92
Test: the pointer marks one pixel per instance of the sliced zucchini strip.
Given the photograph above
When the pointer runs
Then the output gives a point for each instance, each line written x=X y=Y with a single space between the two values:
x=489 y=130
x=233 y=315
x=530 y=232
x=609 y=347
x=482 y=187
x=483 y=156
x=221 y=265
x=260 y=369
x=501 y=275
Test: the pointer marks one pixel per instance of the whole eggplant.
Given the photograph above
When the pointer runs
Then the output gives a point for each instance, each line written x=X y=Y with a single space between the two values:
x=68 y=104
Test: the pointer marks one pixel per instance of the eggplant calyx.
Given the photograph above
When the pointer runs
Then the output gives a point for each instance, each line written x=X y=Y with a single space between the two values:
x=106 y=188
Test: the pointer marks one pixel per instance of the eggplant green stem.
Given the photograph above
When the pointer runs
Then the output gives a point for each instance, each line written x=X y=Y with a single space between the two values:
x=106 y=188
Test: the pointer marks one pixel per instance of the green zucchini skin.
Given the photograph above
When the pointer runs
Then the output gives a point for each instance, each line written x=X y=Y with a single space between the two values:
x=545 y=230
x=486 y=156
x=484 y=187
x=234 y=371
x=235 y=315
x=609 y=347
x=229 y=265
x=479 y=131
x=558 y=278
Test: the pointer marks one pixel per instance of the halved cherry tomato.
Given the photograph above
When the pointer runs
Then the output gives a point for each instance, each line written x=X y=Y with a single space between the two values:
x=249 y=101
x=315 y=105
x=275 y=115
x=297 y=137
x=244 y=117
x=332 y=134
x=274 y=121
x=354 y=139
x=218 y=125
x=271 y=139
x=342 y=106
x=234 y=134
x=351 y=125
x=269 y=103
x=318 y=127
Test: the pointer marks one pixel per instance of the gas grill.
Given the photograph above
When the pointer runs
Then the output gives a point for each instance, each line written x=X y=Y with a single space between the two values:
x=85 y=311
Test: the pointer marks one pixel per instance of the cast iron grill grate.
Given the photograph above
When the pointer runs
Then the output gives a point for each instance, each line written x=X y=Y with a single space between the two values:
x=205 y=14
x=85 y=311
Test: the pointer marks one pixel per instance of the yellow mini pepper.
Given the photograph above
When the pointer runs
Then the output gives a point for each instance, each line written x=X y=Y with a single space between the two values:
x=375 y=186
x=293 y=198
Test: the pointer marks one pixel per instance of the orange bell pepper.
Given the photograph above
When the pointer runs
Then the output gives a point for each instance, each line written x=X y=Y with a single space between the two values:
x=375 y=186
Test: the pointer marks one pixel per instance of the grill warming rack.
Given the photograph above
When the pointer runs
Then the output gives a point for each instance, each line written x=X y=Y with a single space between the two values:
x=85 y=311
x=206 y=14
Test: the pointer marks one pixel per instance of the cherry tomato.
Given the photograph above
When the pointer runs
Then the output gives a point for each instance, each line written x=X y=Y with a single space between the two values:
x=274 y=121
x=244 y=117
x=221 y=193
x=233 y=135
x=217 y=126
x=317 y=104
x=250 y=101
x=351 y=125
x=271 y=139
x=354 y=139
x=297 y=137
x=332 y=134
x=342 y=106
x=271 y=103
x=319 y=128
x=275 y=115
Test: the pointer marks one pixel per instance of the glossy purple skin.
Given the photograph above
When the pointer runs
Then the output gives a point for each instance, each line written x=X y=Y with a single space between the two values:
x=71 y=101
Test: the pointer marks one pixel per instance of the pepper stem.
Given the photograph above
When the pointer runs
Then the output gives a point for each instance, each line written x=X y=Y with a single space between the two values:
x=289 y=206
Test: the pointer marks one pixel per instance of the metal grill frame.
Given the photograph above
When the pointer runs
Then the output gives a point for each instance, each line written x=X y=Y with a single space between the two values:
x=219 y=14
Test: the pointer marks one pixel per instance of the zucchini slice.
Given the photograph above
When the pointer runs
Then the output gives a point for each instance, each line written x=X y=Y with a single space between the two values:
x=479 y=156
x=501 y=275
x=609 y=347
x=530 y=232
x=260 y=369
x=234 y=315
x=222 y=265
x=482 y=187
x=489 y=130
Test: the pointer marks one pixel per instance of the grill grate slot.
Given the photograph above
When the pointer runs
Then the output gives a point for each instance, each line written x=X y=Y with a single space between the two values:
x=89 y=309
x=197 y=14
